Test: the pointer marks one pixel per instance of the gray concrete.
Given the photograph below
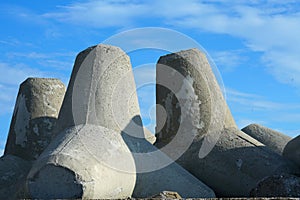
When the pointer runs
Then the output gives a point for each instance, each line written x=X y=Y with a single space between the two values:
x=292 y=150
x=235 y=165
x=156 y=172
x=284 y=185
x=167 y=195
x=13 y=172
x=101 y=91
x=186 y=78
x=85 y=161
x=208 y=142
x=275 y=140
x=101 y=100
x=34 y=118
x=149 y=136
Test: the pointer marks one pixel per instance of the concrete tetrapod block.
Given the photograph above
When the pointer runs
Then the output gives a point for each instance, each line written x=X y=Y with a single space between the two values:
x=199 y=130
x=101 y=93
x=187 y=88
x=156 y=172
x=275 y=140
x=101 y=90
x=13 y=172
x=34 y=118
x=284 y=185
x=84 y=161
x=292 y=150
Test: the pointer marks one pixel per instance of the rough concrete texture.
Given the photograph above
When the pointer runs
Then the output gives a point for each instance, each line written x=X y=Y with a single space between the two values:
x=85 y=161
x=167 y=195
x=292 y=150
x=101 y=91
x=275 y=140
x=189 y=78
x=92 y=161
x=149 y=136
x=284 y=185
x=35 y=115
x=13 y=172
x=226 y=159
x=156 y=172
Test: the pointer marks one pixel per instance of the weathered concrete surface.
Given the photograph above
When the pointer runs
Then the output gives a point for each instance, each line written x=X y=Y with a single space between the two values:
x=101 y=90
x=149 y=136
x=284 y=185
x=156 y=172
x=13 y=172
x=186 y=78
x=35 y=115
x=167 y=195
x=275 y=140
x=292 y=150
x=215 y=151
x=85 y=161
x=89 y=159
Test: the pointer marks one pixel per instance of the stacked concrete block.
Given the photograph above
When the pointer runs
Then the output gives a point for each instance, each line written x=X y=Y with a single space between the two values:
x=198 y=119
x=89 y=158
x=13 y=172
x=34 y=118
x=292 y=150
x=97 y=147
x=274 y=140
x=156 y=172
x=88 y=128
x=31 y=130
x=283 y=185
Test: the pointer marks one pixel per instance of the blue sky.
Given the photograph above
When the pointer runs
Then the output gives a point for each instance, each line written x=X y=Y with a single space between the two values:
x=254 y=43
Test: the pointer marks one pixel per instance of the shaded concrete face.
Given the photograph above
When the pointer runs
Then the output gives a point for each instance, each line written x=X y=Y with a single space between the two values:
x=13 y=172
x=156 y=172
x=274 y=140
x=35 y=116
x=235 y=165
x=191 y=97
x=284 y=185
x=101 y=91
x=292 y=150
x=226 y=159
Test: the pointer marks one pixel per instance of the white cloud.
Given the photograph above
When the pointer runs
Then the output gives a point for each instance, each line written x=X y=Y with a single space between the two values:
x=16 y=74
x=227 y=61
x=250 y=108
x=270 y=27
x=257 y=102
x=100 y=13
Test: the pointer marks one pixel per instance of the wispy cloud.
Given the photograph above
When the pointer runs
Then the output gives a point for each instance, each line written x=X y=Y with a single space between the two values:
x=227 y=61
x=252 y=108
x=257 y=102
x=270 y=27
x=16 y=74
x=62 y=61
x=100 y=13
